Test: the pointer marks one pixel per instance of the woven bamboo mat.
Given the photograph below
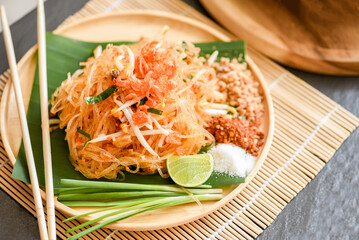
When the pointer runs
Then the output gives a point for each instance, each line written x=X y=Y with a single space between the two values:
x=309 y=128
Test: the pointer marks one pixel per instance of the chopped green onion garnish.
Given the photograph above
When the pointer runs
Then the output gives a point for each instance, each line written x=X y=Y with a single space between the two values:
x=243 y=118
x=184 y=45
x=82 y=132
x=188 y=78
x=155 y=111
x=230 y=113
x=102 y=96
x=143 y=100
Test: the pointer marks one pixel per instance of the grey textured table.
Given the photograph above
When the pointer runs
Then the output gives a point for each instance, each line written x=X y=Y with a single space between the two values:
x=326 y=209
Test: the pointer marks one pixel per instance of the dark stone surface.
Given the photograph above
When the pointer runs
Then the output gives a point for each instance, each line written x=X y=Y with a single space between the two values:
x=326 y=209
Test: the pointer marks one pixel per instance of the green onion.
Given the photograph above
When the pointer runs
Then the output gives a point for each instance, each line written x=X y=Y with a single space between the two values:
x=102 y=96
x=143 y=100
x=105 y=186
x=123 y=202
x=85 y=190
x=120 y=195
x=230 y=113
x=93 y=190
x=155 y=111
x=115 y=195
x=184 y=45
x=118 y=185
x=166 y=202
x=82 y=132
x=190 y=77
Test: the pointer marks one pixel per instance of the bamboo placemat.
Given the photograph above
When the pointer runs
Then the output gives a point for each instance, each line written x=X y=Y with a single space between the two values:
x=309 y=128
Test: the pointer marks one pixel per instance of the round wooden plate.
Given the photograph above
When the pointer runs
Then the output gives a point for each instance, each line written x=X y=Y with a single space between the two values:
x=131 y=25
x=317 y=36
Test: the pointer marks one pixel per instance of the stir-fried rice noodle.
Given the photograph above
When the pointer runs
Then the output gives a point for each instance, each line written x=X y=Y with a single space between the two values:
x=125 y=135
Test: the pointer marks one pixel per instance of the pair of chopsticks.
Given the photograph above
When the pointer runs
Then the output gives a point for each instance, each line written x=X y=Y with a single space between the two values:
x=50 y=232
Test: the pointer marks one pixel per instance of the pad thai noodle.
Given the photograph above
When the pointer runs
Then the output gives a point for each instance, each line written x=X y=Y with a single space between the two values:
x=133 y=106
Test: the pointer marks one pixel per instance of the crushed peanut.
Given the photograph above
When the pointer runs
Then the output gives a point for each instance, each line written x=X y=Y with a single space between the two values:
x=240 y=88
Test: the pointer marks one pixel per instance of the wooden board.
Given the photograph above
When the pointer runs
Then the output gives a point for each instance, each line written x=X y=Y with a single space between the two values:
x=131 y=25
x=316 y=36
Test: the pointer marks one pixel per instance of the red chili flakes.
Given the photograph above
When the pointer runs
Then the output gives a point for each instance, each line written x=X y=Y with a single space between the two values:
x=244 y=134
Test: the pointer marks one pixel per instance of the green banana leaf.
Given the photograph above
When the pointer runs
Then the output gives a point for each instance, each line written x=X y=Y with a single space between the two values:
x=63 y=56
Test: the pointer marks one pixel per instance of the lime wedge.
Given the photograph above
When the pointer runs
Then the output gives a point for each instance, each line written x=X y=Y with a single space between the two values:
x=191 y=170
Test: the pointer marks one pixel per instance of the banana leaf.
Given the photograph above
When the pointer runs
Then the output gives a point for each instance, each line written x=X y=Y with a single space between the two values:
x=63 y=56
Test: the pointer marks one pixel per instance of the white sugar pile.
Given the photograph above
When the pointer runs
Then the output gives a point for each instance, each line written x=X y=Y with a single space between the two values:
x=231 y=159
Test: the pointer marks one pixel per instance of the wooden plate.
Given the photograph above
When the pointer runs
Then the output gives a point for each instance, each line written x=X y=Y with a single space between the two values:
x=131 y=25
x=320 y=36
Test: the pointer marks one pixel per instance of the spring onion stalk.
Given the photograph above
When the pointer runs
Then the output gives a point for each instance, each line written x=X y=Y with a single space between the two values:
x=128 y=203
x=147 y=204
x=204 y=186
x=118 y=185
x=123 y=203
x=119 y=195
x=139 y=209
x=94 y=190
x=60 y=190
x=204 y=191
x=100 y=225
x=132 y=186
x=86 y=190
x=115 y=195
x=142 y=205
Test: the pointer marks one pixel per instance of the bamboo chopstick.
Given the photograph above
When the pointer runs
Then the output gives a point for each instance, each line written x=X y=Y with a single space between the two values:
x=41 y=29
x=25 y=130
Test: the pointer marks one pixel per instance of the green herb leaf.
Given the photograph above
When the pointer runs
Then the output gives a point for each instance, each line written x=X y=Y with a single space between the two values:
x=82 y=132
x=155 y=111
x=230 y=50
x=102 y=96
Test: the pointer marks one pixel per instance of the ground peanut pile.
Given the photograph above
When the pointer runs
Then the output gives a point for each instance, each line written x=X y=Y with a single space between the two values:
x=236 y=82
x=244 y=134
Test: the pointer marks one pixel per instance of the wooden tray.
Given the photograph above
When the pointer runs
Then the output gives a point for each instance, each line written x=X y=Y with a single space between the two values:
x=320 y=36
x=131 y=25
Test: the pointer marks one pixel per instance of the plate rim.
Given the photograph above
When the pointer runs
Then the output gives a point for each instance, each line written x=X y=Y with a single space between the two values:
x=154 y=13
